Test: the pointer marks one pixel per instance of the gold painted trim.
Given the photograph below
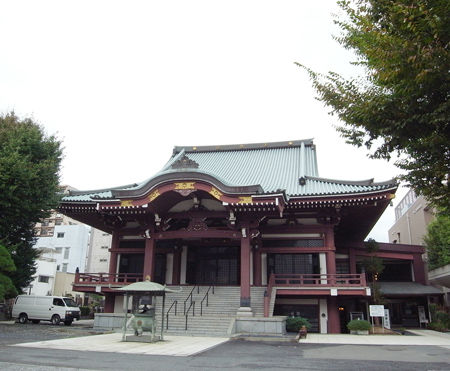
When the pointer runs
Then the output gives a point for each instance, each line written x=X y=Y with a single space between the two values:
x=185 y=185
x=245 y=200
x=216 y=193
x=126 y=203
x=153 y=195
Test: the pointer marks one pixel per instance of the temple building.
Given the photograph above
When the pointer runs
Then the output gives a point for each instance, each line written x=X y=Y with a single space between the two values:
x=256 y=218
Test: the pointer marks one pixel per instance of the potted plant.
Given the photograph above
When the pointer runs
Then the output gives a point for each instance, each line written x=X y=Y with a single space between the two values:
x=359 y=327
x=294 y=324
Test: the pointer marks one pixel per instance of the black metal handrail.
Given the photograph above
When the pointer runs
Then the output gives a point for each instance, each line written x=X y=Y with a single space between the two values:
x=192 y=305
x=190 y=296
x=167 y=314
x=207 y=299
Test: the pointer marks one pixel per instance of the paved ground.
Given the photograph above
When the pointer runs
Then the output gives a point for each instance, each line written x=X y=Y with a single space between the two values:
x=233 y=354
x=171 y=346
x=423 y=337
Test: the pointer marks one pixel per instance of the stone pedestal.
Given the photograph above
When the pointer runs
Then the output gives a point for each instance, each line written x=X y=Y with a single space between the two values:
x=272 y=326
x=244 y=312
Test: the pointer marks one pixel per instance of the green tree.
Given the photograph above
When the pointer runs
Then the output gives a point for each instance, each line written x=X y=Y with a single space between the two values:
x=401 y=105
x=373 y=266
x=29 y=184
x=437 y=241
x=7 y=266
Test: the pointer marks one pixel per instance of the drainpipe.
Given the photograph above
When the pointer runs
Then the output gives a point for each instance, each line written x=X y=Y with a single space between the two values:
x=409 y=228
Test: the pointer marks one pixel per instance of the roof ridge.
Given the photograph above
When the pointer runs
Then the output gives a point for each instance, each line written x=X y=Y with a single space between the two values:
x=366 y=182
x=80 y=193
x=243 y=147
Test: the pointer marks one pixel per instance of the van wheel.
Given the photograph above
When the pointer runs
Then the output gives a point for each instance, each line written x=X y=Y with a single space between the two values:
x=67 y=323
x=56 y=319
x=35 y=321
x=23 y=318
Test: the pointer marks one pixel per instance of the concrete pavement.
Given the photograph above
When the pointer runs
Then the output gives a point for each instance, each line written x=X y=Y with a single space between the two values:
x=171 y=346
x=423 y=337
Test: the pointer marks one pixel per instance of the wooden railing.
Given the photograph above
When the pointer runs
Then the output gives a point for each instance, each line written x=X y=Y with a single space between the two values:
x=311 y=280
x=107 y=278
x=347 y=280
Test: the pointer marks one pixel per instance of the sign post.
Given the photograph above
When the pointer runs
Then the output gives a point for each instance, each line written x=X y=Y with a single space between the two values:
x=422 y=316
x=376 y=311
x=387 y=319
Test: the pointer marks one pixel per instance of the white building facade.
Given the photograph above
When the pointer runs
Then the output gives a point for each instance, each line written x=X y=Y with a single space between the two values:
x=98 y=257
x=64 y=251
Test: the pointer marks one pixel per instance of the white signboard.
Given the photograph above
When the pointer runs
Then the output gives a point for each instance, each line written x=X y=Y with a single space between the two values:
x=387 y=319
x=376 y=310
x=422 y=315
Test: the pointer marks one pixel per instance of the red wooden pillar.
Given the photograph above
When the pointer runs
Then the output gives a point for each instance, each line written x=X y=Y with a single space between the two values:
x=419 y=269
x=109 y=303
x=149 y=258
x=352 y=260
x=331 y=251
x=113 y=255
x=176 y=267
x=257 y=267
x=334 y=323
x=245 y=272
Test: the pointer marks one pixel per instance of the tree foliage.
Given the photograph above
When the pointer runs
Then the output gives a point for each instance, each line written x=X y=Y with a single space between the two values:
x=29 y=184
x=373 y=266
x=401 y=106
x=437 y=241
x=7 y=266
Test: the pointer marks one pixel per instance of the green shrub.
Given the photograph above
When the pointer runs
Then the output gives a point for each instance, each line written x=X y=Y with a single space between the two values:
x=442 y=317
x=85 y=311
x=359 y=325
x=437 y=326
x=294 y=324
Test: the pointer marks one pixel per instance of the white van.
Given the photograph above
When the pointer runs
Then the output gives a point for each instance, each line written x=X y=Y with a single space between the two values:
x=45 y=308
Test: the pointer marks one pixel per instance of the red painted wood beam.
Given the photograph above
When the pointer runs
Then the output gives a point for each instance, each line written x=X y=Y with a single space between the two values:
x=197 y=234
x=149 y=258
x=387 y=255
x=245 y=271
x=257 y=267
x=113 y=255
x=334 y=323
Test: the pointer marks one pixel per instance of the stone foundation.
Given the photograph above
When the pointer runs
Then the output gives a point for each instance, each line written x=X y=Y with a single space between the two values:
x=108 y=321
x=260 y=325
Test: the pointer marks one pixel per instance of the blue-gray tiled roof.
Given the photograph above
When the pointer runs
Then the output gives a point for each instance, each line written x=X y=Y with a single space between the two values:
x=273 y=166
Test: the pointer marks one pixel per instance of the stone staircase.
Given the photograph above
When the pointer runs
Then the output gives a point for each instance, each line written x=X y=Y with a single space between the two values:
x=216 y=318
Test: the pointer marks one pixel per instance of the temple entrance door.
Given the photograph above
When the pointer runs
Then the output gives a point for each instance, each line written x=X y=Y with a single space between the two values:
x=213 y=265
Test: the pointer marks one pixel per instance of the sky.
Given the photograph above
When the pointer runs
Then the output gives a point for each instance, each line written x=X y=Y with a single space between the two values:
x=123 y=82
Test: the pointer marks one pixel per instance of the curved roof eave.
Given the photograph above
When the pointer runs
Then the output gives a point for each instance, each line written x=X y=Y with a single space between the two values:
x=186 y=175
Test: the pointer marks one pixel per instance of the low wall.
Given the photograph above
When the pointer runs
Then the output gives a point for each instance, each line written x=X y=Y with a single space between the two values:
x=108 y=321
x=260 y=325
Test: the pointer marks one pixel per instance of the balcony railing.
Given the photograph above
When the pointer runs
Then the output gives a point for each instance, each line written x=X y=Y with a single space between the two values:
x=347 y=280
x=311 y=281
x=107 y=278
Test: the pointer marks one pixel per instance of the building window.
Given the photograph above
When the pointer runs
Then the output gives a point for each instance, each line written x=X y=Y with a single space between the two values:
x=64 y=269
x=104 y=247
x=58 y=267
x=58 y=250
x=43 y=279
x=103 y=260
x=58 y=221
x=105 y=234
x=60 y=235
x=66 y=253
x=45 y=222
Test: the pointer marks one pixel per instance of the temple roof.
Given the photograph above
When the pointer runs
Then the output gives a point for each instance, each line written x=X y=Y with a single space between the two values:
x=289 y=167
